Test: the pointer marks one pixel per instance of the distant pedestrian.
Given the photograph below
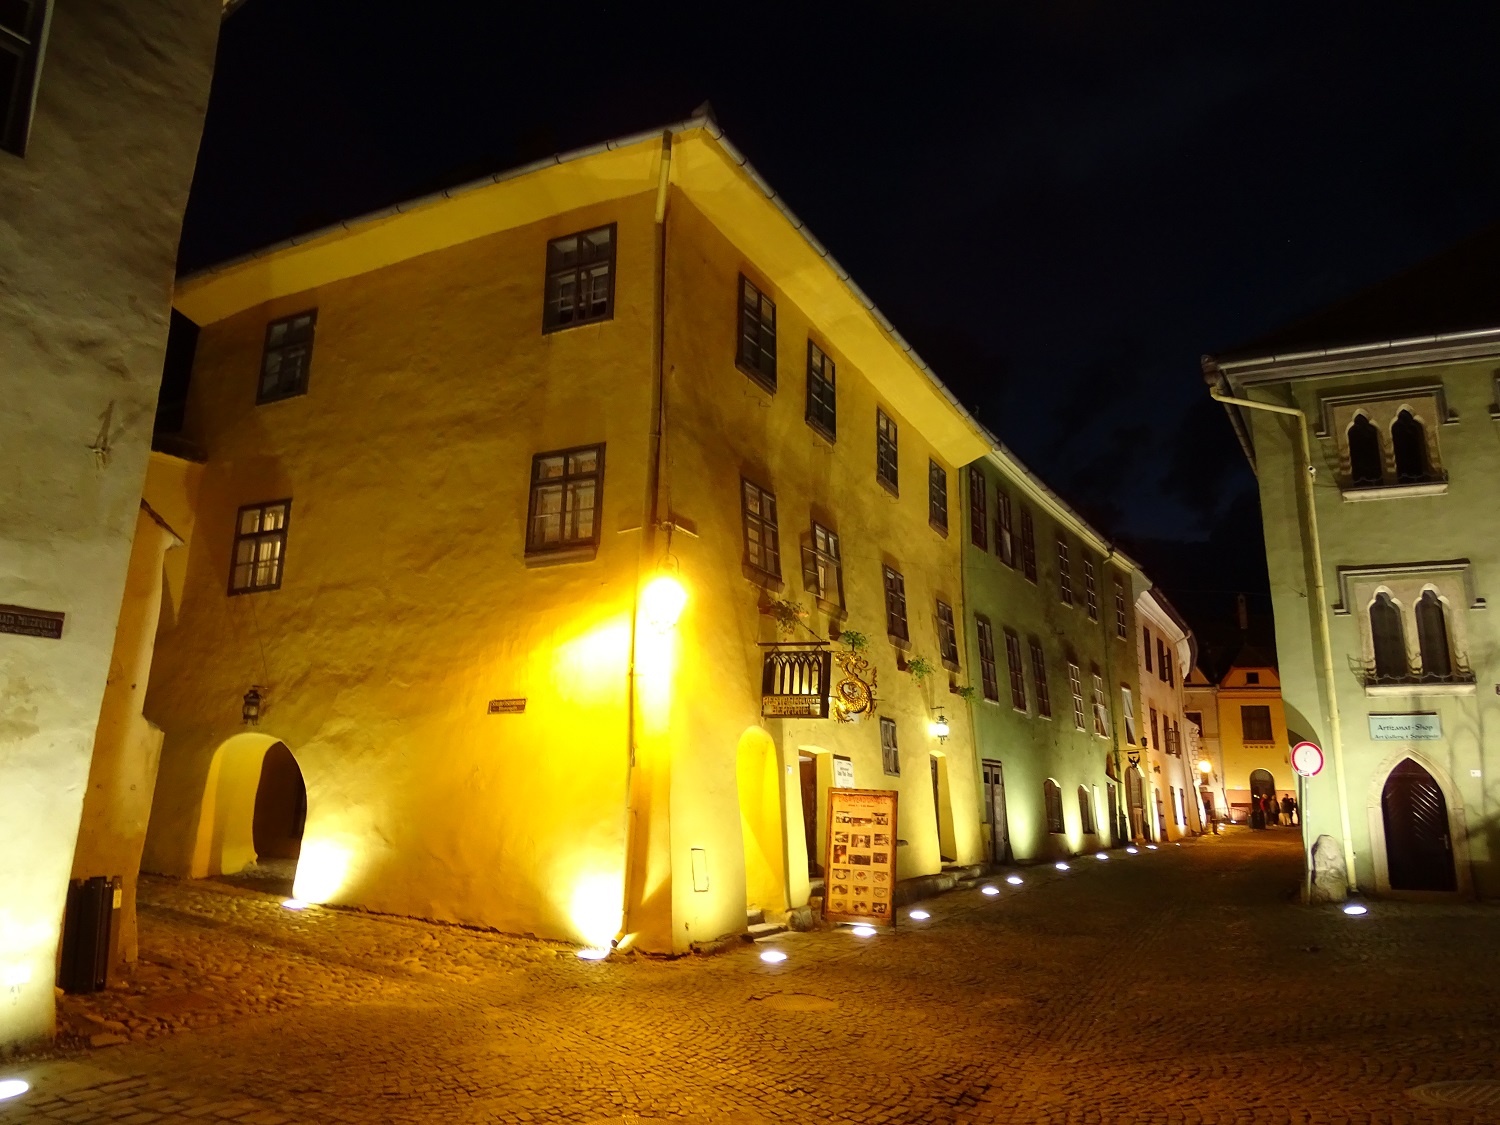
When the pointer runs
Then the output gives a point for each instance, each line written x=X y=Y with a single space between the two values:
x=1289 y=808
x=1273 y=814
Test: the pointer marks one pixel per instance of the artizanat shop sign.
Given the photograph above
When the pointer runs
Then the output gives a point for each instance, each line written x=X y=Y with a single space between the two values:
x=1423 y=726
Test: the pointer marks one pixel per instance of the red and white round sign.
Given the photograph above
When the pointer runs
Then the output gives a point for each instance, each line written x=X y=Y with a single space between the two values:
x=1307 y=759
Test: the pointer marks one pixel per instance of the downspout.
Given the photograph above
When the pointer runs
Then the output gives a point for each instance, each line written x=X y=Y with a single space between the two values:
x=1122 y=791
x=1320 y=613
x=645 y=549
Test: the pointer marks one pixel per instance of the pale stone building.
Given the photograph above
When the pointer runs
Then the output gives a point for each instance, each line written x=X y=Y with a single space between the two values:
x=101 y=107
x=1165 y=655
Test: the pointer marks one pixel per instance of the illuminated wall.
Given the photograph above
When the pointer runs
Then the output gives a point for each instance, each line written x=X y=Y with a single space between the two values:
x=1242 y=756
x=1167 y=772
x=89 y=221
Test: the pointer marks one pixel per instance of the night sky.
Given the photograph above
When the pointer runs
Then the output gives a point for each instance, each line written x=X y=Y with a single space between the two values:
x=1061 y=205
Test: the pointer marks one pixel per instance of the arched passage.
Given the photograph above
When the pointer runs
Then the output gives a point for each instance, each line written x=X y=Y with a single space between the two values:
x=254 y=798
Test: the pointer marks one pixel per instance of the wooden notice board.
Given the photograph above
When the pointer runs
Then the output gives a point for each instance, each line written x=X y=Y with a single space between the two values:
x=859 y=883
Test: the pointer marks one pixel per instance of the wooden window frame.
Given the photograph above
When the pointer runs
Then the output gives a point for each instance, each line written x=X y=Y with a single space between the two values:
x=1090 y=588
x=1028 y=544
x=555 y=274
x=766 y=525
x=1122 y=627
x=755 y=367
x=1155 y=735
x=1005 y=538
x=1086 y=820
x=831 y=561
x=937 y=497
x=890 y=747
x=1075 y=685
x=1017 y=672
x=822 y=392
x=1039 y=677
x=979 y=518
x=1146 y=645
x=895 y=605
x=1053 y=807
x=565 y=546
x=1064 y=570
x=947 y=635
x=989 y=676
x=1261 y=709
x=887 y=449
x=277 y=535
x=17 y=104
x=1103 y=726
x=283 y=352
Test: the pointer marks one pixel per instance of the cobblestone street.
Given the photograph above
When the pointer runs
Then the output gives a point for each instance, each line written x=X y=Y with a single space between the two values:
x=1179 y=985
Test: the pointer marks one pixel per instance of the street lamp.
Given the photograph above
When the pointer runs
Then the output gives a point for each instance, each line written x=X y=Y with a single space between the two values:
x=250 y=712
x=939 y=727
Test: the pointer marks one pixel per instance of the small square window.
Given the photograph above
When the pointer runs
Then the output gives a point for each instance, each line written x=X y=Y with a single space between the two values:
x=822 y=402
x=885 y=451
x=937 y=496
x=895 y=605
x=259 y=547
x=566 y=496
x=762 y=541
x=580 y=279
x=287 y=357
x=757 y=351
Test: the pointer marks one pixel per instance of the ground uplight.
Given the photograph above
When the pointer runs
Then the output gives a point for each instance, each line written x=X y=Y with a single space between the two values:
x=1150 y=847
x=1061 y=866
x=919 y=915
x=1133 y=850
x=1101 y=855
x=989 y=890
x=13 y=1088
x=772 y=956
x=294 y=904
x=1354 y=909
x=1014 y=880
x=592 y=954
x=863 y=931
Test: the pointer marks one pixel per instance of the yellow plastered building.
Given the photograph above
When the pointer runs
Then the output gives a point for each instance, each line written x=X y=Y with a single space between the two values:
x=1253 y=738
x=519 y=414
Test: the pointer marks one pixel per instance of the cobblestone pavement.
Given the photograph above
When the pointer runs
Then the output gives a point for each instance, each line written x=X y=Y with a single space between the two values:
x=1177 y=985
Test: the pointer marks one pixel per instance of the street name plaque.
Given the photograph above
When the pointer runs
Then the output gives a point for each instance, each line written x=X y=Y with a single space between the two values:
x=25 y=622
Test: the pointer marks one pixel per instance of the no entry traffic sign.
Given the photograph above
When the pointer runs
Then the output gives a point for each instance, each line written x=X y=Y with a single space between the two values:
x=1307 y=759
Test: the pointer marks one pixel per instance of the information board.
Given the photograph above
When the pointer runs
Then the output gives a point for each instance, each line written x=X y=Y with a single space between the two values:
x=1419 y=727
x=860 y=878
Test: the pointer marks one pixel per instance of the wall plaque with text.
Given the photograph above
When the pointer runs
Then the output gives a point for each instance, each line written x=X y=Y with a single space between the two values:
x=1418 y=727
x=25 y=622
x=860 y=884
x=507 y=706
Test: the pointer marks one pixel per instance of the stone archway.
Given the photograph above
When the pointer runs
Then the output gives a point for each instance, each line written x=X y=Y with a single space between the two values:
x=254 y=798
x=762 y=822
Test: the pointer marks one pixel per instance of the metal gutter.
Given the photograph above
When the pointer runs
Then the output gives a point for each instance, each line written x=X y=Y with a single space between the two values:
x=1281 y=366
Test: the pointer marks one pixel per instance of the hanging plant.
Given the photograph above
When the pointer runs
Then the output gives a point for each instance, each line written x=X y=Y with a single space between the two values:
x=920 y=668
x=787 y=614
x=854 y=640
x=966 y=693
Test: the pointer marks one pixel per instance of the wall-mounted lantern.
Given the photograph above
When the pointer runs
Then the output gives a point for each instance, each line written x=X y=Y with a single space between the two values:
x=250 y=713
x=939 y=727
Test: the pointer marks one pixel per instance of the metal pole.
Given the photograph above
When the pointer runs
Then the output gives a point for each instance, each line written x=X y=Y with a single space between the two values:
x=1306 y=848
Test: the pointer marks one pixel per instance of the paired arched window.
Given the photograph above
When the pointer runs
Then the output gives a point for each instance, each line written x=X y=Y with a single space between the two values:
x=1086 y=811
x=1052 y=795
x=1366 y=466
x=1389 y=639
x=1409 y=444
x=1432 y=638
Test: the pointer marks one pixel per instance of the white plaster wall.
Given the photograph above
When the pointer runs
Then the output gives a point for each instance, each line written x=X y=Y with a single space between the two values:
x=89 y=221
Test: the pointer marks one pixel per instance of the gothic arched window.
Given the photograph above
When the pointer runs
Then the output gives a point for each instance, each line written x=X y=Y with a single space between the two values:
x=1409 y=445
x=1389 y=639
x=1432 y=637
x=1365 y=464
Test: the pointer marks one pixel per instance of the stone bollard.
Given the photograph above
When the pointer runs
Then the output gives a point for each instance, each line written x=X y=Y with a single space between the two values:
x=1330 y=879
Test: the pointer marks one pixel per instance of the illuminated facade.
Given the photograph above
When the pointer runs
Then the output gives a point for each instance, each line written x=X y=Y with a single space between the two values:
x=547 y=518
x=1164 y=647
x=1048 y=632
x=100 y=113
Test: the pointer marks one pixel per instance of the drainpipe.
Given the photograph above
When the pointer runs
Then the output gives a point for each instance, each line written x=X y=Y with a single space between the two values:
x=1320 y=614
x=646 y=546
x=1122 y=791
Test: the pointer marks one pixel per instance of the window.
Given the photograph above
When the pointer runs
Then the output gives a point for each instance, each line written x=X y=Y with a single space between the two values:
x=1179 y=804
x=1194 y=717
x=885 y=451
x=1122 y=630
x=1127 y=708
x=287 y=355
x=1255 y=721
x=895 y=605
x=937 y=496
x=1432 y=638
x=1090 y=589
x=1005 y=545
x=20 y=48
x=1085 y=812
x=1052 y=796
x=1017 y=673
x=822 y=407
x=1155 y=737
x=757 y=351
x=565 y=498
x=1365 y=460
x=762 y=543
x=890 y=755
x=1163 y=665
x=1252 y=677
x=978 y=514
x=1039 y=677
x=822 y=568
x=259 y=547
x=1028 y=545
x=987 y=674
x=1409 y=446
x=1146 y=637
x=1064 y=571
x=1101 y=707
x=947 y=635
x=1390 y=640
x=580 y=279
x=1075 y=685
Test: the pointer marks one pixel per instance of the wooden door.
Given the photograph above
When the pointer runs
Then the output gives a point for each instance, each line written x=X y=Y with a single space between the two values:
x=994 y=804
x=1135 y=792
x=809 y=767
x=1419 y=852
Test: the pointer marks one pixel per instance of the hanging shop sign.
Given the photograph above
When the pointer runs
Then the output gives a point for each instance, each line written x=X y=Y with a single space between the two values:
x=1307 y=759
x=1424 y=726
x=507 y=707
x=794 y=681
x=854 y=695
x=25 y=622
x=860 y=882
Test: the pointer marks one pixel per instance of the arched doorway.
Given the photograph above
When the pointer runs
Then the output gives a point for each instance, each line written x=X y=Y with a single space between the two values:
x=1418 y=846
x=1262 y=785
x=253 y=813
x=762 y=826
x=279 y=817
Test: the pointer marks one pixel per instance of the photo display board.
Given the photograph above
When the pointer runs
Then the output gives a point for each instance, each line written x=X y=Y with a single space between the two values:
x=859 y=883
